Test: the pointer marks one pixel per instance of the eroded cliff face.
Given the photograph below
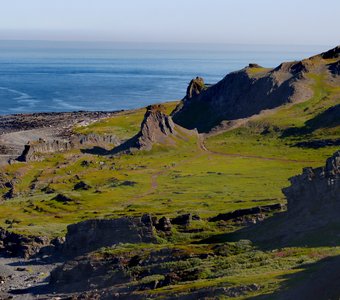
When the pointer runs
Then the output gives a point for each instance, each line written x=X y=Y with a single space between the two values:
x=316 y=191
x=90 y=235
x=33 y=150
x=155 y=128
x=247 y=92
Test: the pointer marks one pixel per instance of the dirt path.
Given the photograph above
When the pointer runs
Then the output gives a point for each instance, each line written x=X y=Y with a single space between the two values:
x=204 y=148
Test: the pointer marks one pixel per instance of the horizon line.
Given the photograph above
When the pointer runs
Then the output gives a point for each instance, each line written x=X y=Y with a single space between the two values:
x=162 y=42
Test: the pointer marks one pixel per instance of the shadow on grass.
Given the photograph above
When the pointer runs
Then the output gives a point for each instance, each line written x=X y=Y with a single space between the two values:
x=317 y=281
x=327 y=119
x=125 y=147
x=281 y=231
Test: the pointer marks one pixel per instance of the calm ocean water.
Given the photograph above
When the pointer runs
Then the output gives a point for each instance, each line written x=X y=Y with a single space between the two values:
x=45 y=77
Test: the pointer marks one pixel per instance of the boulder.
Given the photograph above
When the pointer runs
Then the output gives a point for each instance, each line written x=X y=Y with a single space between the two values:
x=182 y=220
x=164 y=224
x=81 y=186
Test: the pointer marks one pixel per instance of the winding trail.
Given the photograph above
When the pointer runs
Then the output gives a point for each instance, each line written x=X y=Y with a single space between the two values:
x=204 y=148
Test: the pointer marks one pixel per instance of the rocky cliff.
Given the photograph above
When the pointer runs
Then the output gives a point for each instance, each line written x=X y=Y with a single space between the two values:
x=247 y=92
x=313 y=207
x=90 y=235
x=316 y=192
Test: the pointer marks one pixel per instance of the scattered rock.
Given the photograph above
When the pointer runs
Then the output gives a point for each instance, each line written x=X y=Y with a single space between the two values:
x=164 y=224
x=81 y=186
x=62 y=198
x=182 y=220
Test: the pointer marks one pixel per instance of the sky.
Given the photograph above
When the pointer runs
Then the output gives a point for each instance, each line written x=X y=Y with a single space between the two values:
x=286 y=22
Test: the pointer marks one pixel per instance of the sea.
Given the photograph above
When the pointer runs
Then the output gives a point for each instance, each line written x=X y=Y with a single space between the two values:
x=38 y=76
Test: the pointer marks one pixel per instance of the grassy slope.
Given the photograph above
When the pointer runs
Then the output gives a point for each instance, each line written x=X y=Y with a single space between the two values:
x=182 y=179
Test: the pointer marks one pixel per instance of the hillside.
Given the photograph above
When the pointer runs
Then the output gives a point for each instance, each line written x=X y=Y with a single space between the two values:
x=173 y=214
x=253 y=89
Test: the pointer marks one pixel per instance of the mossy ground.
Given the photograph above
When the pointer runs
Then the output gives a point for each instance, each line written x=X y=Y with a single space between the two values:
x=241 y=168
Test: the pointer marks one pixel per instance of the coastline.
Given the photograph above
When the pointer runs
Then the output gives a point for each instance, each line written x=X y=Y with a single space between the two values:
x=18 y=129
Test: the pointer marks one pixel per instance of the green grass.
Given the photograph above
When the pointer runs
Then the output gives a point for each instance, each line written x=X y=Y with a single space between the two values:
x=242 y=168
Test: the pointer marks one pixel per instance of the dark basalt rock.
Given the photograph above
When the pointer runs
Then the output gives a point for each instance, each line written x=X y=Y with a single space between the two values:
x=335 y=68
x=252 y=65
x=333 y=53
x=90 y=235
x=182 y=220
x=316 y=144
x=243 y=93
x=316 y=191
x=62 y=198
x=81 y=186
x=164 y=224
x=18 y=245
x=240 y=213
x=237 y=95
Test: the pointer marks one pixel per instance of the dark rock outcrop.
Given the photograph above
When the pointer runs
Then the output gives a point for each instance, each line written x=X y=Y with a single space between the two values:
x=335 y=68
x=81 y=185
x=62 y=198
x=313 y=207
x=241 y=213
x=90 y=235
x=182 y=220
x=164 y=224
x=18 y=245
x=247 y=92
x=316 y=192
x=239 y=95
x=333 y=53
